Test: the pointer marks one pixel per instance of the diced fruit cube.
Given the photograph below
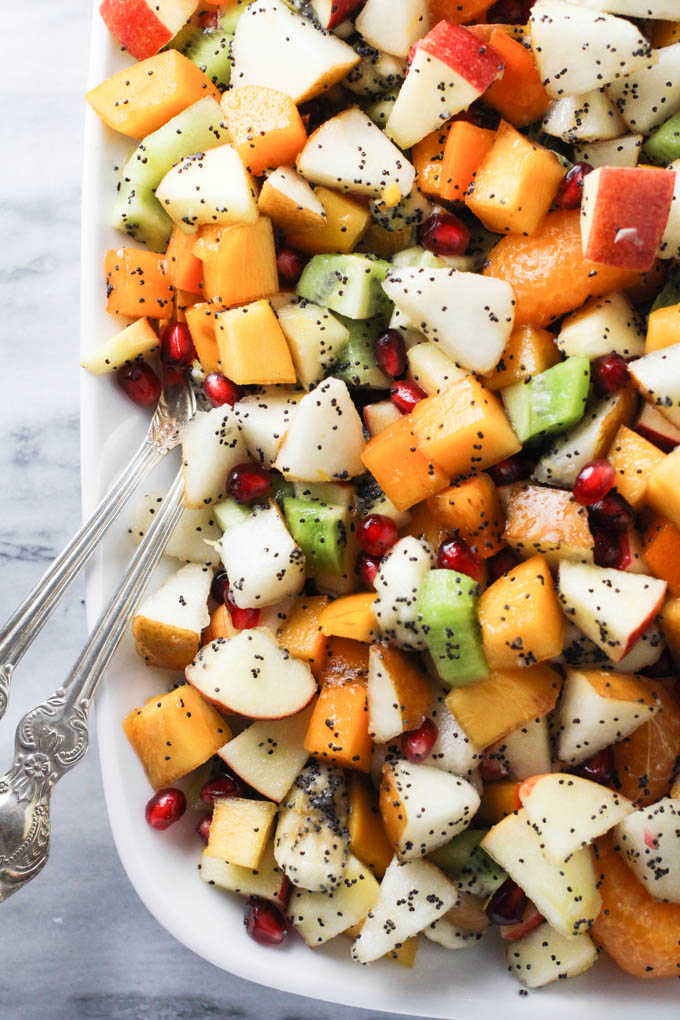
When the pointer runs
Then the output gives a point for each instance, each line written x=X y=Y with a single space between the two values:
x=366 y=830
x=515 y=184
x=328 y=414
x=224 y=250
x=350 y=617
x=663 y=487
x=399 y=693
x=338 y=730
x=547 y=521
x=252 y=346
x=267 y=880
x=262 y=559
x=472 y=510
x=520 y=617
x=290 y=203
x=201 y=322
x=492 y=708
x=528 y=352
x=212 y=445
x=464 y=152
x=649 y=840
x=240 y=830
x=167 y=625
x=184 y=269
x=604 y=325
x=175 y=733
x=447 y=616
x=633 y=458
x=345 y=222
x=519 y=96
x=551 y=401
x=545 y=955
x=135 y=341
x=398 y=583
x=427 y=156
x=302 y=635
x=656 y=376
x=142 y=26
x=137 y=284
x=398 y=466
x=348 y=284
x=663 y=328
x=661 y=550
x=265 y=127
x=319 y=916
x=316 y=339
x=207 y=188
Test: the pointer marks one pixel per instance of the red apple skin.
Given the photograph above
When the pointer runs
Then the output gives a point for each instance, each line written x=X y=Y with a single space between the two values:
x=226 y=709
x=530 y=920
x=647 y=622
x=653 y=426
x=142 y=27
x=464 y=53
x=341 y=10
x=635 y=198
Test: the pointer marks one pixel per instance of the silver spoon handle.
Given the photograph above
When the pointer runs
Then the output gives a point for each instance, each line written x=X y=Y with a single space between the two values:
x=26 y=622
x=53 y=737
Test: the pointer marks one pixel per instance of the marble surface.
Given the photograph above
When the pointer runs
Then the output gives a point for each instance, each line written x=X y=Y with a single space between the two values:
x=76 y=942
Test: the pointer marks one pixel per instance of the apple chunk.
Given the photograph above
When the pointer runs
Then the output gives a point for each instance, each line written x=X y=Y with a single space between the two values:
x=209 y=187
x=319 y=917
x=250 y=675
x=657 y=376
x=569 y=812
x=649 y=840
x=599 y=708
x=269 y=754
x=399 y=693
x=392 y=27
x=566 y=893
x=544 y=955
x=290 y=203
x=267 y=880
x=167 y=626
x=212 y=444
x=613 y=607
x=143 y=27
x=624 y=213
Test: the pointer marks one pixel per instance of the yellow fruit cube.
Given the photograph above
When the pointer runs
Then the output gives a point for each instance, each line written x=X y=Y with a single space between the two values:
x=663 y=328
x=240 y=830
x=663 y=487
x=239 y=262
x=252 y=346
x=472 y=510
x=346 y=222
x=529 y=350
x=634 y=458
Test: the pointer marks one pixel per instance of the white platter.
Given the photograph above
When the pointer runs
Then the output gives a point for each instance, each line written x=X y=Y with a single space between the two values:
x=467 y=985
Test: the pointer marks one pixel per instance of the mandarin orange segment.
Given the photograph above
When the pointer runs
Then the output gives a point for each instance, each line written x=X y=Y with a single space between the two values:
x=647 y=762
x=639 y=933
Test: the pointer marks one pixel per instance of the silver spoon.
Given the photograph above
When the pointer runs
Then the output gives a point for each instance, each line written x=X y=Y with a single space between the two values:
x=176 y=405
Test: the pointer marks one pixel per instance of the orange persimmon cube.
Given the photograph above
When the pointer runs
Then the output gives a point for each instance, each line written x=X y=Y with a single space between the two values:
x=144 y=96
x=633 y=457
x=465 y=149
x=265 y=126
x=367 y=839
x=252 y=346
x=346 y=222
x=137 y=284
x=663 y=328
x=220 y=626
x=425 y=524
x=529 y=351
x=427 y=157
x=302 y=635
x=663 y=487
x=239 y=262
x=661 y=550
x=350 y=617
x=400 y=469
x=498 y=800
x=184 y=269
x=338 y=730
x=463 y=429
x=201 y=322
x=515 y=184
x=346 y=661
x=539 y=519
x=472 y=510
x=519 y=96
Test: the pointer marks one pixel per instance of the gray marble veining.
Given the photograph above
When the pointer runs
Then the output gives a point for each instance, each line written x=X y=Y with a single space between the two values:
x=76 y=943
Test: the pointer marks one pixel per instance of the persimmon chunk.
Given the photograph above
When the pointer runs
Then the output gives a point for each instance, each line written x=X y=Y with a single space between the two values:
x=647 y=762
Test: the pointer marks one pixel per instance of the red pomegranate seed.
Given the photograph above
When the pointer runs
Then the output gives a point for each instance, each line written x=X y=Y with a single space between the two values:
x=507 y=905
x=612 y=513
x=593 y=482
x=531 y=919
x=264 y=922
x=491 y=770
x=219 y=587
x=513 y=469
x=177 y=347
x=209 y=21
x=417 y=744
x=165 y=807
x=140 y=383
x=367 y=569
x=509 y=12
x=502 y=562
x=219 y=390
x=243 y=619
x=455 y=554
x=284 y=892
x=612 y=549
x=249 y=482
x=223 y=786
x=609 y=374
x=479 y=115
x=203 y=828
x=405 y=395
x=377 y=534
x=390 y=353
x=290 y=264
x=599 y=768
x=570 y=191
x=444 y=234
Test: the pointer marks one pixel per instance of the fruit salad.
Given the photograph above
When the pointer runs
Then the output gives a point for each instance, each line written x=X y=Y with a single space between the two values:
x=421 y=260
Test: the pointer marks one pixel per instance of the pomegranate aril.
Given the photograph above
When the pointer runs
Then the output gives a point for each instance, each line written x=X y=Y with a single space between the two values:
x=599 y=768
x=249 y=482
x=377 y=534
x=203 y=828
x=264 y=922
x=501 y=563
x=177 y=347
x=570 y=191
x=290 y=264
x=367 y=569
x=531 y=918
x=593 y=482
x=507 y=905
x=609 y=374
x=417 y=744
x=480 y=115
x=242 y=619
x=284 y=892
x=491 y=770
x=405 y=395
x=209 y=21
x=513 y=469
x=444 y=234
x=455 y=554
x=390 y=353
x=612 y=549
x=613 y=513
x=219 y=587
x=223 y=786
x=139 y=383
x=509 y=12
x=219 y=390
x=165 y=807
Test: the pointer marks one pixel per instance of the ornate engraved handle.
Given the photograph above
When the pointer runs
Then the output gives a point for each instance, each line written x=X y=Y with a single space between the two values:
x=53 y=737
